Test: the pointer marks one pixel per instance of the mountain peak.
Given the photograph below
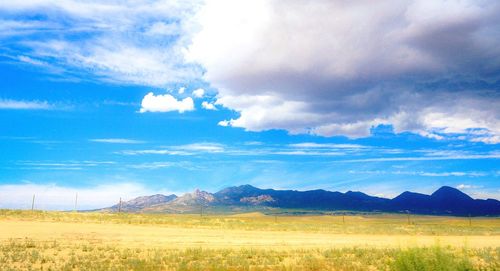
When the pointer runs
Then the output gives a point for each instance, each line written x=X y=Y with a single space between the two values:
x=197 y=197
x=450 y=193
x=247 y=186
x=357 y=194
x=242 y=189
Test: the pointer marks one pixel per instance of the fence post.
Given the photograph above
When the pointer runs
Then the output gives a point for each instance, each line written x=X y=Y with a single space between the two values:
x=76 y=201
x=33 y=203
x=120 y=206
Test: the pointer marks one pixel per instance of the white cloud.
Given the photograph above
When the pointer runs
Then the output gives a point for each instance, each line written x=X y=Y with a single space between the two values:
x=133 y=42
x=160 y=152
x=203 y=147
x=428 y=158
x=165 y=103
x=308 y=153
x=160 y=165
x=249 y=149
x=32 y=61
x=336 y=68
x=224 y=123
x=485 y=194
x=25 y=105
x=318 y=67
x=154 y=165
x=208 y=106
x=62 y=165
x=452 y=174
x=117 y=141
x=188 y=149
x=181 y=90
x=198 y=93
x=328 y=145
x=56 y=197
x=264 y=112
x=253 y=143
x=466 y=186
x=422 y=173
x=164 y=29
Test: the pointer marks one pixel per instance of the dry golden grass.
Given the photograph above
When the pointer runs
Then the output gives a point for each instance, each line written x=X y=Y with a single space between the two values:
x=252 y=241
x=178 y=237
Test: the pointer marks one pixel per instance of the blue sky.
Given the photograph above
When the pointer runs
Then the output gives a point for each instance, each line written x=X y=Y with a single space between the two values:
x=113 y=100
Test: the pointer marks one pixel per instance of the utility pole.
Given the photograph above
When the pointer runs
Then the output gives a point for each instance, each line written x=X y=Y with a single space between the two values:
x=343 y=218
x=408 y=215
x=33 y=203
x=120 y=206
x=76 y=201
x=470 y=220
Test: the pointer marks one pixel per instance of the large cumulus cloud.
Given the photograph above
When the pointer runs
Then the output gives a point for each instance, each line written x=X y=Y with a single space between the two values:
x=342 y=67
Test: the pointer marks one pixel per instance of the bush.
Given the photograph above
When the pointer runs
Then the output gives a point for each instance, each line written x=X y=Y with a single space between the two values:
x=432 y=259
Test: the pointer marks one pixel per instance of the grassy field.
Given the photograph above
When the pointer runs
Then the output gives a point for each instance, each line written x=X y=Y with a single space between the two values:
x=96 y=241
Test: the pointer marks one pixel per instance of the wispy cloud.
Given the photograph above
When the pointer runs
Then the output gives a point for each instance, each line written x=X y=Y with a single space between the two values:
x=421 y=173
x=235 y=150
x=425 y=158
x=25 y=105
x=307 y=153
x=120 y=103
x=159 y=152
x=308 y=149
x=467 y=186
x=117 y=141
x=253 y=143
x=328 y=145
x=32 y=61
x=160 y=165
x=187 y=149
x=62 y=165
x=153 y=165
x=201 y=147
x=453 y=174
x=139 y=42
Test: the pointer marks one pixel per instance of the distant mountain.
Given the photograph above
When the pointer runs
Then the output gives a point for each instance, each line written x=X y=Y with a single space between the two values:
x=445 y=201
x=196 y=198
x=140 y=203
x=313 y=199
x=186 y=203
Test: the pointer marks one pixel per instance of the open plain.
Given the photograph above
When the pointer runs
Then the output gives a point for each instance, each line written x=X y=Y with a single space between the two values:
x=252 y=241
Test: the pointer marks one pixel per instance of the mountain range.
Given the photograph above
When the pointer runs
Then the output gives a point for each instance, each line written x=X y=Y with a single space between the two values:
x=444 y=201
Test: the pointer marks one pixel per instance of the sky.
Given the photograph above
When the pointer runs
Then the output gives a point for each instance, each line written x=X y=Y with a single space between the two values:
x=113 y=99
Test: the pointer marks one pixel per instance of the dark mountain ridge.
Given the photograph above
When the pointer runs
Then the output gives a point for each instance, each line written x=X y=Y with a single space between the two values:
x=444 y=201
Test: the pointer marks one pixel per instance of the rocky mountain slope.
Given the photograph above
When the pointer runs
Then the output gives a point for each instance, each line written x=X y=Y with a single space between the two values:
x=444 y=201
x=140 y=203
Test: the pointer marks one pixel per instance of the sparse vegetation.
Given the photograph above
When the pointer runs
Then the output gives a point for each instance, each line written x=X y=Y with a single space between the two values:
x=354 y=223
x=30 y=255
x=96 y=241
